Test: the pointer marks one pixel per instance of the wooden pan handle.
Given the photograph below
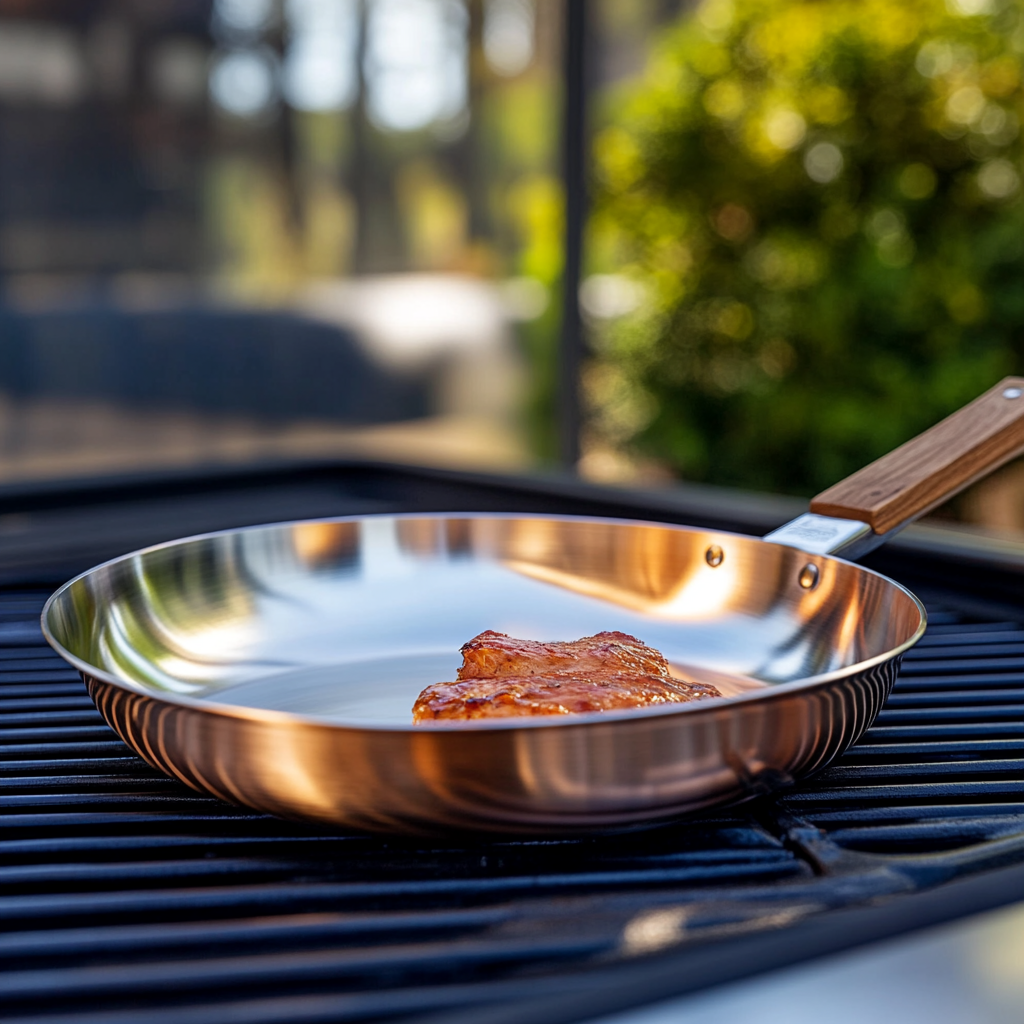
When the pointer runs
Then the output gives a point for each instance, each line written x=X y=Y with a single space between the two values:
x=934 y=466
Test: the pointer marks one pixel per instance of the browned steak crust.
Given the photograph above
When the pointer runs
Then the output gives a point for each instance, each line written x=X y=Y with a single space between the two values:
x=491 y=655
x=558 y=694
x=502 y=677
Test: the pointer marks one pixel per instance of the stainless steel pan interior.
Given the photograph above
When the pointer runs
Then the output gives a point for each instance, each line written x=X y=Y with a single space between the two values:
x=277 y=666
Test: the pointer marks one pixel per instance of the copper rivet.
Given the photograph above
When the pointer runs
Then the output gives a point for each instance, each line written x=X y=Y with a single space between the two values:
x=809 y=576
x=714 y=556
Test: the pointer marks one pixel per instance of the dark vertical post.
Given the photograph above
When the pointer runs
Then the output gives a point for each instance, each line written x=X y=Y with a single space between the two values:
x=574 y=182
x=468 y=153
x=360 y=159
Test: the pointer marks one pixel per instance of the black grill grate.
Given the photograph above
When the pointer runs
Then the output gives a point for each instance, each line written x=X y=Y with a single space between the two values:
x=127 y=897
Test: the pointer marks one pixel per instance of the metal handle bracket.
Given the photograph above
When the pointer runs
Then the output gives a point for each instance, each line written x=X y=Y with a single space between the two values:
x=827 y=535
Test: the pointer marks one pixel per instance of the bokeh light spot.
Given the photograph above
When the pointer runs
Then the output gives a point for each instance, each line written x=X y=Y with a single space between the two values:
x=242 y=83
x=823 y=162
x=998 y=179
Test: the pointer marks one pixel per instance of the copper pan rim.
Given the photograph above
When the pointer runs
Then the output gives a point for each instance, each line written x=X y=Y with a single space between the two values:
x=776 y=691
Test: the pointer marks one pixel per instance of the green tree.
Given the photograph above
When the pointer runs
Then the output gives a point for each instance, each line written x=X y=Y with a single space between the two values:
x=820 y=201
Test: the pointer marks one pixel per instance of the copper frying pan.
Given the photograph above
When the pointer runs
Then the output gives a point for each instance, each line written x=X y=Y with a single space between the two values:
x=276 y=666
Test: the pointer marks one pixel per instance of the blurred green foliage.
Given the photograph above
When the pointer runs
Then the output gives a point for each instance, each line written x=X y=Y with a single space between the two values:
x=820 y=204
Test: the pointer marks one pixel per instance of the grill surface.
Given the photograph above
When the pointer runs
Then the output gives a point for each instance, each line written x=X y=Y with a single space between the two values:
x=126 y=893
x=127 y=897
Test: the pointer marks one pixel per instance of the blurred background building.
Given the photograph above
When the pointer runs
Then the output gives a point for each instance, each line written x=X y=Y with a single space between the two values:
x=245 y=229
x=254 y=228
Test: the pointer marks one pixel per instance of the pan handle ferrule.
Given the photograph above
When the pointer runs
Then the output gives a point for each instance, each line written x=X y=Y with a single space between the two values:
x=827 y=535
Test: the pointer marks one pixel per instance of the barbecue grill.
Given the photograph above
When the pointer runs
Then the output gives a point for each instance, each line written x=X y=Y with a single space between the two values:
x=128 y=897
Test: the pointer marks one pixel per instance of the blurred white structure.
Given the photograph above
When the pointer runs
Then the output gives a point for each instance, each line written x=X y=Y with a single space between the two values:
x=454 y=326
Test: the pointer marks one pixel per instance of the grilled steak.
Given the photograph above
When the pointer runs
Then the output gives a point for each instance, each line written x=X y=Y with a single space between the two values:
x=502 y=677
x=492 y=655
